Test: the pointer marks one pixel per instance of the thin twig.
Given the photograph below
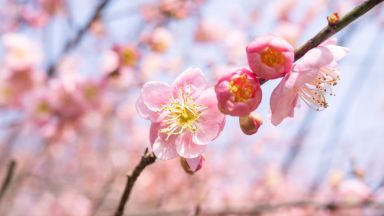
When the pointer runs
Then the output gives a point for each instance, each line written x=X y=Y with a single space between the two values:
x=330 y=30
x=8 y=178
x=148 y=158
x=79 y=35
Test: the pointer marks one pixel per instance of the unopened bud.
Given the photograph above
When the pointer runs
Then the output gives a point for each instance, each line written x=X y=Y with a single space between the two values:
x=358 y=173
x=250 y=124
x=192 y=165
x=333 y=19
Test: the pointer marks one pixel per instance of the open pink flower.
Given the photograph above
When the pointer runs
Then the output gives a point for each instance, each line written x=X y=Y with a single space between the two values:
x=311 y=79
x=270 y=57
x=238 y=93
x=184 y=115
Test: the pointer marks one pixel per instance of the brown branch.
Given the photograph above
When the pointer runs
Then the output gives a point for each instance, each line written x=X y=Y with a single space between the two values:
x=332 y=29
x=148 y=158
x=8 y=178
x=79 y=35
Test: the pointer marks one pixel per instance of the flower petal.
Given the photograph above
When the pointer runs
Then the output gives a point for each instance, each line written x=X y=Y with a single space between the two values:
x=186 y=148
x=154 y=94
x=154 y=132
x=142 y=109
x=283 y=101
x=164 y=149
x=191 y=81
x=315 y=58
x=211 y=121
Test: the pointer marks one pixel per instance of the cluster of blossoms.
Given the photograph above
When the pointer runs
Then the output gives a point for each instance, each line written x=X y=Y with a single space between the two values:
x=50 y=104
x=188 y=114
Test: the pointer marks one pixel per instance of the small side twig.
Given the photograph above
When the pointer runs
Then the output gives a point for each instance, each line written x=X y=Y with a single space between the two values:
x=332 y=29
x=8 y=178
x=79 y=34
x=147 y=159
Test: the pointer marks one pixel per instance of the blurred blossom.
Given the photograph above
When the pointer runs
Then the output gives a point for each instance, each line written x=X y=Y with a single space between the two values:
x=174 y=8
x=352 y=191
x=160 y=40
x=270 y=57
x=238 y=93
x=235 y=41
x=128 y=55
x=184 y=115
x=109 y=61
x=210 y=31
x=66 y=101
x=21 y=52
x=284 y=9
x=15 y=84
x=38 y=106
x=53 y=7
x=98 y=28
x=289 y=31
x=311 y=78
x=35 y=18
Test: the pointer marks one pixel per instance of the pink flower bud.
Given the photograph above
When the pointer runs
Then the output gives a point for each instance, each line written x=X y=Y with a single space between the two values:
x=238 y=93
x=250 y=124
x=270 y=57
x=192 y=165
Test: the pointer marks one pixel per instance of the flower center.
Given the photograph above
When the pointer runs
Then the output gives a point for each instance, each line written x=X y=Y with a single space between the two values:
x=272 y=57
x=242 y=88
x=182 y=114
x=43 y=107
x=314 y=93
x=128 y=57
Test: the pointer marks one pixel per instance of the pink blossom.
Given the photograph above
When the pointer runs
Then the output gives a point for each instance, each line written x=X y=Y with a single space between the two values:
x=238 y=93
x=128 y=55
x=38 y=106
x=270 y=57
x=353 y=191
x=15 y=84
x=65 y=100
x=160 y=40
x=184 y=115
x=311 y=78
x=20 y=52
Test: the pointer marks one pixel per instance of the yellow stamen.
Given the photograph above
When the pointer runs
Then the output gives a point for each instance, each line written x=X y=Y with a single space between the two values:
x=272 y=57
x=313 y=93
x=241 y=88
x=182 y=115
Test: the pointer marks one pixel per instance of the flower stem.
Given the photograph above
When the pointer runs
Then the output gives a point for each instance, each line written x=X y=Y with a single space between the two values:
x=146 y=160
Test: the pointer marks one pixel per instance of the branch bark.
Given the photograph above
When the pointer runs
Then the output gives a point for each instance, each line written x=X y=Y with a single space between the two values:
x=146 y=160
x=8 y=178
